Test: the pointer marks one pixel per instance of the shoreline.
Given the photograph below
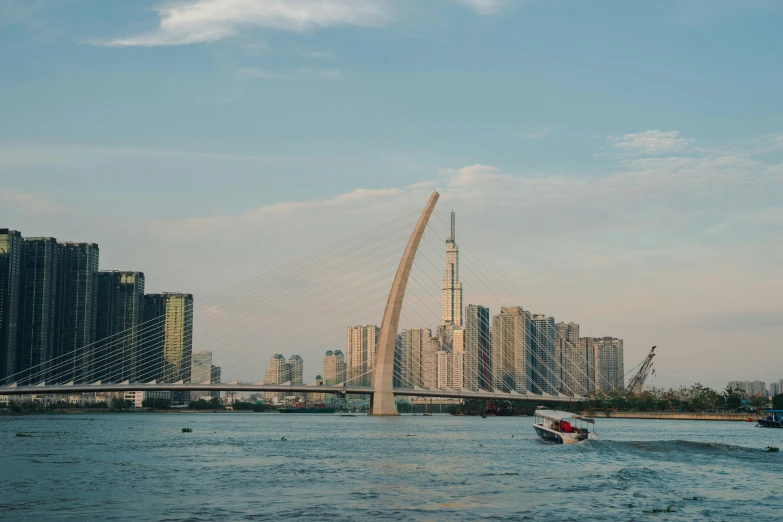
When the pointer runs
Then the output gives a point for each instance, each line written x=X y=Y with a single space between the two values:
x=734 y=417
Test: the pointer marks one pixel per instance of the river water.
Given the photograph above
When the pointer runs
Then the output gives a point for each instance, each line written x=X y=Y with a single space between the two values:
x=325 y=467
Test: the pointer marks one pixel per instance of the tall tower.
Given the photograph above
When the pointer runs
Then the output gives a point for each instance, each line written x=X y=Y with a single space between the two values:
x=39 y=313
x=119 y=318
x=451 y=290
x=167 y=341
x=77 y=295
x=477 y=347
x=11 y=291
x=511 y=349
x=360 y=343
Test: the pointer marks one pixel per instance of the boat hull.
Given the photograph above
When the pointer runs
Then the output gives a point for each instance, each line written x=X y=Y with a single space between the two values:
x=559 y=438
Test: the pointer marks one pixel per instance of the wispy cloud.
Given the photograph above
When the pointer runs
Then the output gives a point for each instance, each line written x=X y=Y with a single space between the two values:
x=271 y=74
x=28 y=202
x=18 y=11
x=651 y=142
x=16 y=155
x=196 y=21
x=536 y=134
x=489 y=7
x=321 y=55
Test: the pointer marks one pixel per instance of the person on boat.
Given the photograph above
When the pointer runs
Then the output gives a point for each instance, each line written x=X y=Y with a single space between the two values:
x=566 y=427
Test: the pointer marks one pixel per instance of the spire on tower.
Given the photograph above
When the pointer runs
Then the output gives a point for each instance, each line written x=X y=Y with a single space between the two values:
x=452 y=227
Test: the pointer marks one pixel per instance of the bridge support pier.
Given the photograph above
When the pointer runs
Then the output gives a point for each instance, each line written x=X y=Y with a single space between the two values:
x=382 y=400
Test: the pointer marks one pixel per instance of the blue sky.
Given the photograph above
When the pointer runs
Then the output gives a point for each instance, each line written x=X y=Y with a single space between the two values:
x=621 y=160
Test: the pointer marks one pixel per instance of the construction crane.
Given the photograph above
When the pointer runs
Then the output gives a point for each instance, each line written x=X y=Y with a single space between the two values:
x=645 y=367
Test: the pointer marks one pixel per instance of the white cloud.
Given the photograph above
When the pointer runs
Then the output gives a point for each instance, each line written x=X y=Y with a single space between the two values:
x=488 y=7
x=195 y=21
x=651 y=142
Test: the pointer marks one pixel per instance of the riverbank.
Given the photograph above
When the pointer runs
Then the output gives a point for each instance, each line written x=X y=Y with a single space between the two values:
x=738 y=417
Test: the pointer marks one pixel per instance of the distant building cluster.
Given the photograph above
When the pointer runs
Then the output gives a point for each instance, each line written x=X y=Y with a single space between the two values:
x=63 y=319
x=281 y=371
x=757 y=388
x=513 y=350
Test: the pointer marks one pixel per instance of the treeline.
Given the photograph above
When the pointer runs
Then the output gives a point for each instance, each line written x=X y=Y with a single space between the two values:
x=696 y=398
x=215 y=404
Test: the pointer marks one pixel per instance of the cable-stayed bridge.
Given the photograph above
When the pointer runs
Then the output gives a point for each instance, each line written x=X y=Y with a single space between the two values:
x=301 y=305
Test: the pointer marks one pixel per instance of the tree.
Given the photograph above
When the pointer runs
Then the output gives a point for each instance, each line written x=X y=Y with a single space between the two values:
x=777 y=402
x=157 y=404
x=732 y=398
x=759 y=402
x=120 y=404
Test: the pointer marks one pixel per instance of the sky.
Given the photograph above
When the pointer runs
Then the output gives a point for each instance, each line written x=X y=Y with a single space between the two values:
x=620 y=162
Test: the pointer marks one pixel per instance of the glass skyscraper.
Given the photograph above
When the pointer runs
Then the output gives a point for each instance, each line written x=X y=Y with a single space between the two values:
x=78 y=293
x=477 y=346
x=119 y=329
x=39 y=337
x=11 y=256
x=167 y=339
x=543 y=365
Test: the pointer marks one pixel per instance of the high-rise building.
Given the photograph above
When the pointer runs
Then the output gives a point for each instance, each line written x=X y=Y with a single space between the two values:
x=587 y=354
x=464 y=366
x=118 y=331
x=411 y=347
x=215 y=379
x=568 y=370
x=201 y=371
x=610 y=364
x=749 y=388
x=542 y=369
x=511 y=348
x=568 y=331
x=360 y=344
x=276 y=373
x=449 y=370
x=295 y=370
x=39 y=324
x=477 y=346
x=315 y=396
x=451 y=290
x=334 y=367
x=77 y=295
x=11 y=291
x=167 y=341
x=429 y=363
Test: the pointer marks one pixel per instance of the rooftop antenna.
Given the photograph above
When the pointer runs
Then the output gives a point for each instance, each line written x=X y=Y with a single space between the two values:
x=452 y=226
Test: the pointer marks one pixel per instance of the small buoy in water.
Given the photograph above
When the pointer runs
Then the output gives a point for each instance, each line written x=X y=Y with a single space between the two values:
x=283 y=439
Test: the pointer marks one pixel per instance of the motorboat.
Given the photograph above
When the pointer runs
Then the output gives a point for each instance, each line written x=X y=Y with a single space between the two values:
x=563 y=427
x=774 y=419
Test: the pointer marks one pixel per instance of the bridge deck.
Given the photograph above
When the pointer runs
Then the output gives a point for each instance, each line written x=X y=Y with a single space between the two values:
x=255 y=388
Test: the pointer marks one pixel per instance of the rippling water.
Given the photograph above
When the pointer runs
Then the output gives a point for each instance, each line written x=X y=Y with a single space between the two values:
x=236 y=467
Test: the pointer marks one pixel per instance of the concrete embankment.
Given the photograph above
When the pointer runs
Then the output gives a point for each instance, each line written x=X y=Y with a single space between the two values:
x=671 y=415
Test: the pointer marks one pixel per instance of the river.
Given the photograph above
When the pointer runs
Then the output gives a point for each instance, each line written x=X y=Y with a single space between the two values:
x=328 y=467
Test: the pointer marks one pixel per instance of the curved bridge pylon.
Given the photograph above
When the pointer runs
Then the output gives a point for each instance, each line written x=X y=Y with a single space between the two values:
x=382 y=399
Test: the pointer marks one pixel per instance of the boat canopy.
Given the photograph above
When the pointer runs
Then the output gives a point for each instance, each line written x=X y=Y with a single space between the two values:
x=562 y=415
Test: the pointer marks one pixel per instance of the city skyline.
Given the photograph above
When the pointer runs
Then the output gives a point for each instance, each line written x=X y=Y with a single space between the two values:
x=651 y=205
